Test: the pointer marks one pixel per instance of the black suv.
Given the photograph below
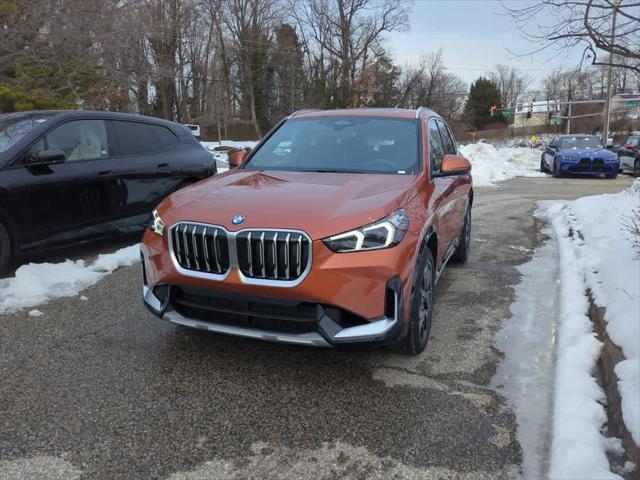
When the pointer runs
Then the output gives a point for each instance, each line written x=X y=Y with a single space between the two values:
x=73 y=176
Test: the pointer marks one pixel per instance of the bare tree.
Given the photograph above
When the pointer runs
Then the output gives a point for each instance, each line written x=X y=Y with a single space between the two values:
x=586 y=23
x=345 y=32
x=511 y=83
x=428 y=84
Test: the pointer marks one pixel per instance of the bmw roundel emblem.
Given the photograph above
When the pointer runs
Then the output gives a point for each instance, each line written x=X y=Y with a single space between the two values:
x=237 y=220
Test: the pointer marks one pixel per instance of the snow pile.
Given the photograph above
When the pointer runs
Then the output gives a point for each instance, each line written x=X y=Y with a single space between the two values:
x=491 y=164
x=37 y=283
x=219 y=149
x=595 y=254
x=524 y=141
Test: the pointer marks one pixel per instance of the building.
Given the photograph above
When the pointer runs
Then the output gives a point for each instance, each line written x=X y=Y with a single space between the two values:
x=541 y=113
x=627 y=104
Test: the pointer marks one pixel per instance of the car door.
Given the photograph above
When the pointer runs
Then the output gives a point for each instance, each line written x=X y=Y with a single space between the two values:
x=445 y=206
x=66 y=201
x=148 y=166
x=459 y=196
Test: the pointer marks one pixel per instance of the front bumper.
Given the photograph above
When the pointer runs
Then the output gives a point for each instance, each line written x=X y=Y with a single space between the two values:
x=589 y=167
x=357 y=297
x=323 y=328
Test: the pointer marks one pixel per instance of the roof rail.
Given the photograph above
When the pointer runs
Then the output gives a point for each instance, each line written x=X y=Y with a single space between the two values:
x=305 y=110
x=419 y=110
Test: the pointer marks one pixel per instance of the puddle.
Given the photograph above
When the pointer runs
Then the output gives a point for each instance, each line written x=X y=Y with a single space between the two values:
x=525 y=376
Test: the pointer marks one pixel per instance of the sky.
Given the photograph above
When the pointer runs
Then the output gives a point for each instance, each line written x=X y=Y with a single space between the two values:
x=474 y=35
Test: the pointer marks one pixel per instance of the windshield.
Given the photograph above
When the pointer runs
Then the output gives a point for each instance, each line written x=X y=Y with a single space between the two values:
x=13 y=128
x=341 y=144
x=634 y=141
x=580 y=143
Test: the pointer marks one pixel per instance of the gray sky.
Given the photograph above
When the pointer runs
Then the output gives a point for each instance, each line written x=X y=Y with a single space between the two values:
x=474 y=35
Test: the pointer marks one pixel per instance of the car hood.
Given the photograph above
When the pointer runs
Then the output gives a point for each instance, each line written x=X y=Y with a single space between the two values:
x=321 y=204
x=587 y=153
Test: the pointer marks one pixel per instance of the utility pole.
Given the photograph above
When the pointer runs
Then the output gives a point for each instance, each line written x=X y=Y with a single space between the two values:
x=607 y=118
x=569 y=119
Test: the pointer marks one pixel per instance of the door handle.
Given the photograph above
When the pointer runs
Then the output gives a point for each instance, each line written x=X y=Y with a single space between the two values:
x=105 y=172
x=162 y=165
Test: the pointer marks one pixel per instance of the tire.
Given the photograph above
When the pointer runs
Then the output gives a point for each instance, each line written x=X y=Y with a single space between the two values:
x=464 y=241
x=5 y=248
x=543 y=168
x=556 y=169
x=421 y=307
x=636 y=168
x=612 y=175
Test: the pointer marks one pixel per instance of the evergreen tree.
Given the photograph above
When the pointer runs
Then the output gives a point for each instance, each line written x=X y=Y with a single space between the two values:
x=483 y=94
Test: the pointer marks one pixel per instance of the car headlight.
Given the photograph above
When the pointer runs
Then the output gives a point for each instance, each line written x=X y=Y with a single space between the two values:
x=157 y=224
x=384 y=233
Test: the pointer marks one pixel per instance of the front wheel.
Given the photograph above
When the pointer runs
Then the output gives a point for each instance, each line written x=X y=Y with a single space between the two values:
x=5 y=248
x=556 y=169
x=543 y=168
x=421 y=307
x=464 y=241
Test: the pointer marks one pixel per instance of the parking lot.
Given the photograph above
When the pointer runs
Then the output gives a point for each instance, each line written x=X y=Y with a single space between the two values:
x=103 y=389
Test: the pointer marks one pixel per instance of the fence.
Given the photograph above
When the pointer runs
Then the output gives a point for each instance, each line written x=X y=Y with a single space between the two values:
x=509 y=132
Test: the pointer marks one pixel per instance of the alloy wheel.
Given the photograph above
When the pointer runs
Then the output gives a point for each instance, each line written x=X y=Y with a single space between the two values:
x=426 y=302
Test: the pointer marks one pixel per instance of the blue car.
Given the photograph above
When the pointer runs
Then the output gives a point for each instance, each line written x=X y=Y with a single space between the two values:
x=579 y=155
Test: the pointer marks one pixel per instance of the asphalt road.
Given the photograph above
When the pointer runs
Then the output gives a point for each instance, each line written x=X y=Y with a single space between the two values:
x=101 y=389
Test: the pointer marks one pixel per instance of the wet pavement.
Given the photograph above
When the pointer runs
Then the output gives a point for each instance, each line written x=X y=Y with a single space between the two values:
x=102 y=389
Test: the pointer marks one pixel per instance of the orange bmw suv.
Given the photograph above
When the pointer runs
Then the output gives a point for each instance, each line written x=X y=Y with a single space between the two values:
x=334 y=229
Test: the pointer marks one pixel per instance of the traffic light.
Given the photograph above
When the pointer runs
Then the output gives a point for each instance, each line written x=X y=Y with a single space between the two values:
x=492 y=110
x=529 y=109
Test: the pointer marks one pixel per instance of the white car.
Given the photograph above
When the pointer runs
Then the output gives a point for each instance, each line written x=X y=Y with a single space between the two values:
x=629 y=155
x=195 y=129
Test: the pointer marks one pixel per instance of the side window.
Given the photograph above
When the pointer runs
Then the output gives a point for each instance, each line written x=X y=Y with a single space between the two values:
x=436 y=149
x=78 y=139
x=447 y=142
x=140 y=138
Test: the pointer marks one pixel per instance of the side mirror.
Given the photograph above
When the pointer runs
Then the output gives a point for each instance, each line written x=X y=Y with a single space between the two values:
x=454 y=165
x=236 y=157
x=47 y=157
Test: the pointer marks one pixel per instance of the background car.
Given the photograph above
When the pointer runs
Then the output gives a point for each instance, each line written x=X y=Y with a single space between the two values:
x=629 y=155
x=579 y=155
x=73 y=176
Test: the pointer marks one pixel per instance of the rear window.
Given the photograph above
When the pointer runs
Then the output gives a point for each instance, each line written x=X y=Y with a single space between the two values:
x=342 y=144
x=140 y=138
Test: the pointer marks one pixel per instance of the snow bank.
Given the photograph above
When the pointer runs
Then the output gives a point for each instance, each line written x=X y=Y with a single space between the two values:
x=613 y=275
x=491 y=164
x=37 y=283
x=596 y=254
x=577 y=447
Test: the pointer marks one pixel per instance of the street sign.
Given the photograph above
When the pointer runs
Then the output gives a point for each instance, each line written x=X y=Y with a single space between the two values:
x=507 y=112
x=629 y=105
x=533 y=138
x=556 y=120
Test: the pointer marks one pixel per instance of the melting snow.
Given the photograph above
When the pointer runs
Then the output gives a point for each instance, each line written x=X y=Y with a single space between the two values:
x=37 y=283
